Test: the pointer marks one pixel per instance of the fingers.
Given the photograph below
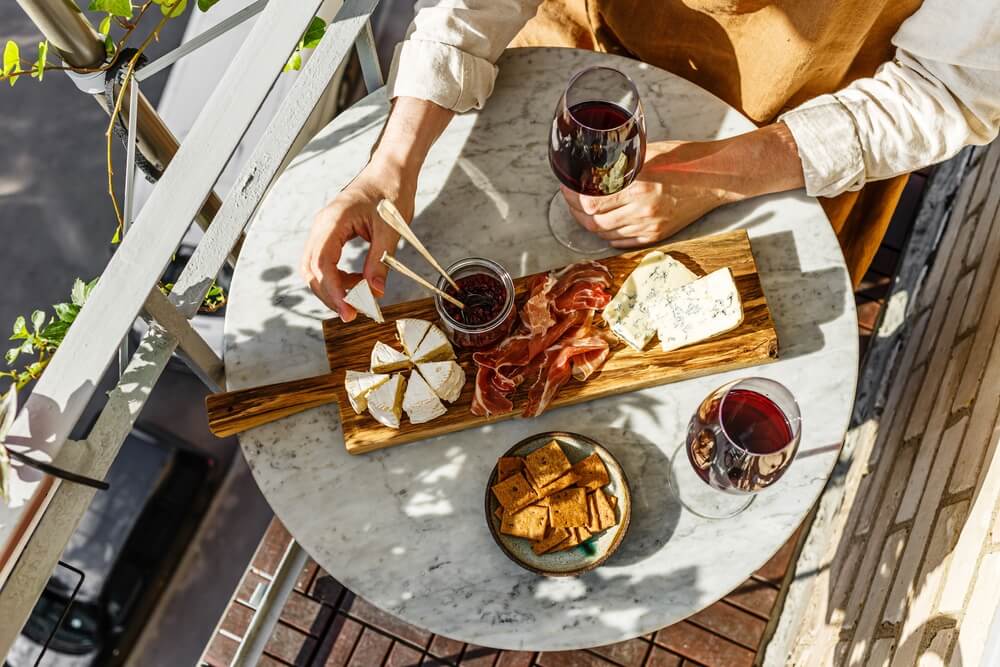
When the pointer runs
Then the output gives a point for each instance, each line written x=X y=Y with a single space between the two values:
x=383 y=239
x=594 y=205
x=319 y=261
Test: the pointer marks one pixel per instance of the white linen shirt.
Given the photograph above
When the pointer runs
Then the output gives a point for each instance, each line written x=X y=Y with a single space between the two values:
x=939 y=93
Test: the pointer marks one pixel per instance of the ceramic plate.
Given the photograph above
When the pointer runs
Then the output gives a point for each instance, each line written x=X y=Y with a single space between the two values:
x=587 y=555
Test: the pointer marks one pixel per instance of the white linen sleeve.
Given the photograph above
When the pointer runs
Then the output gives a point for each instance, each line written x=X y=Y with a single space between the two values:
x=940 y=92
x=450 y=49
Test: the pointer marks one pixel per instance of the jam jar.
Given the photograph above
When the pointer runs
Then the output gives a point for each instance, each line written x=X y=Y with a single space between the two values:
x=487 y=291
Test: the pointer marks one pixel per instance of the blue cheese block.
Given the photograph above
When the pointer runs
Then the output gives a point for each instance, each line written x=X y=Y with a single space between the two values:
x=697 y=311
x=628 y=313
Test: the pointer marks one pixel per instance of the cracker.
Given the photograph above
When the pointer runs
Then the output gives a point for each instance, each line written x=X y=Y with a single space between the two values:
x=613 y=499
x=568 y=508
x=578 y=536
x=592 y=472
x=508 y=466
x=564 y=482
x=514 y=493
x=499 y=512
x=530 y=523
x=547 y=464
x=605 y=514
x=555 y=537
x=593 y=520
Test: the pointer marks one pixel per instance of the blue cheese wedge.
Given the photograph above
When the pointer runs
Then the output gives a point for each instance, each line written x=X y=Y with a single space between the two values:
x=411 y=332
x=359 y=384
x=697 y=311
x=386 y=359
x=385 y=403
x=629 y=312
x=363 y=300
x=446 y=378
x=420 y=402
x=434 y=347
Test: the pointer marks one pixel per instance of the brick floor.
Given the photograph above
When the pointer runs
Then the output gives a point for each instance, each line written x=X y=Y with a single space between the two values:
x=325 y=625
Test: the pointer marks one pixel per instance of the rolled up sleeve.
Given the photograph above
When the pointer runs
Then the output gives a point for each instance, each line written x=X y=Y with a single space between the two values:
x=451 y=48
x=940 y=92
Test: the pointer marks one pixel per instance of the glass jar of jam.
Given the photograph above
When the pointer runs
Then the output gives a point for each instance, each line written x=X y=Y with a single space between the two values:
x=487 y=291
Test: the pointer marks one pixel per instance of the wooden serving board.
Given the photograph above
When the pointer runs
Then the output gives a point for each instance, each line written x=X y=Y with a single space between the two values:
x=754 y=342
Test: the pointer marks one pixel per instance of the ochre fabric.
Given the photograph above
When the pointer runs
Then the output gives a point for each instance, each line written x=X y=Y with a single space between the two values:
x=761 y=56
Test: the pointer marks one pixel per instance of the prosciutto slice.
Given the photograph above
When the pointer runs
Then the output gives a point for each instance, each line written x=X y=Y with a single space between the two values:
x=555 y=340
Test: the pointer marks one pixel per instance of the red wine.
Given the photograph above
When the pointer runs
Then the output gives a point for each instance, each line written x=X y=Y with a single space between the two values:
x=596 y=147
x=740 y=443
x=754 y=422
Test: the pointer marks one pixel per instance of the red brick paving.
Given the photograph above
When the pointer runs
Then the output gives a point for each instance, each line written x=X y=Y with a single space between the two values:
x=325 y=625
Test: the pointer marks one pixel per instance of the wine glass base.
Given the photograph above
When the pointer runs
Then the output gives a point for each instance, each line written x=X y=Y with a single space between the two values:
x=696 y=496
x=569 y=232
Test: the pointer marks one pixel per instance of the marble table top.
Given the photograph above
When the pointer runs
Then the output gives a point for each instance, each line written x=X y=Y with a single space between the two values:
x=404 y=528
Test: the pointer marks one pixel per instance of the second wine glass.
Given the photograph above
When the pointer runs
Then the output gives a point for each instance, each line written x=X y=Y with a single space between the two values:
x=596 y=147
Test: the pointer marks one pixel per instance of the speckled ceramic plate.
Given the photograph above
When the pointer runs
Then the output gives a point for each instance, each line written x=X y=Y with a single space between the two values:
x=587 y=555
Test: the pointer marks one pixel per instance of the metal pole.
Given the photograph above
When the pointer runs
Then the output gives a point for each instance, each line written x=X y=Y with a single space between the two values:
x=72 y=35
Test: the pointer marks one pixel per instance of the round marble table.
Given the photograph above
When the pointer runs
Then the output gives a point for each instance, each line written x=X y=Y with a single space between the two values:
x=404 y=527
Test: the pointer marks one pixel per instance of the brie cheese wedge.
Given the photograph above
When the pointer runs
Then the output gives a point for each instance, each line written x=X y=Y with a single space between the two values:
x=434 y=347
x=420 y=402
x=446 y=378
x=628 y=313
x=411 y=332
x=363 y=300
x=697 y=311
x=386 y=359
x=385 y=403
x=359 y=384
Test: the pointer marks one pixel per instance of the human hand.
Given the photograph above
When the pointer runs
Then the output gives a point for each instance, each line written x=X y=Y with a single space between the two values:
x=352 y=213
x=681 y=181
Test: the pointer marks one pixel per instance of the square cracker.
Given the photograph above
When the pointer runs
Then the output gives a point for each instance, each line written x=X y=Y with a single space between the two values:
x=592 y=472
x=593 y=520
x=531 y=523
x=508 y=466
x=547 y=464
x=514 y=493
x=564 y=482
x=555 y=537
x=568 y=508
x=577 y=536
x=605 y=514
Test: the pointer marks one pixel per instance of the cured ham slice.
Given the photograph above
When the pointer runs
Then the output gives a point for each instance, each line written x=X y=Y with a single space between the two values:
x=556 y=340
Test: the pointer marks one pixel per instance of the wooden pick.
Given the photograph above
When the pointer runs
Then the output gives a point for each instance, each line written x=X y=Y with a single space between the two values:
x=394 y=263
x=392 y=217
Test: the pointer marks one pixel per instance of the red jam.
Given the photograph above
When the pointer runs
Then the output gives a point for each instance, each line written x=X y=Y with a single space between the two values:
x=483 y=296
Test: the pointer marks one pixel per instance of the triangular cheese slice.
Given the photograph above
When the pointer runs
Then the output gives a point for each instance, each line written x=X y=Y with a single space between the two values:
x=385 y=403
x=363 y=300
x=359 y=384
x=420 y=402
x=434 y=347
x=386 y=359
x=446 y=378
x=411 y=332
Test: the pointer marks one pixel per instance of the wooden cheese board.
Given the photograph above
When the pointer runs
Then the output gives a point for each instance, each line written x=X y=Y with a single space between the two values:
x=349 y=346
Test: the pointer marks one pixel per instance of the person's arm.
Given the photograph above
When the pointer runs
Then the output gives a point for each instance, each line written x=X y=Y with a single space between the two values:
x=446 y=65
x=940 y=93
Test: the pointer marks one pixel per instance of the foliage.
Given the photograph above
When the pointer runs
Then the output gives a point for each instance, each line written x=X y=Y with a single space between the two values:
x=214 y=299
x=310 y=39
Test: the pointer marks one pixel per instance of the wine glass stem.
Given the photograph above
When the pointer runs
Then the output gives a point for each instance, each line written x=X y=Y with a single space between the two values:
x=697 y=496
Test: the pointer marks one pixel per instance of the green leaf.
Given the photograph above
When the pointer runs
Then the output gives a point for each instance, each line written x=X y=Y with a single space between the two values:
x=43 y=55
x=295 y=62
x=11 y=60
x=88 y=288
x=35 y=368
x=205 y=5
x=109 y=46
x=314 y=33
x=11 y=355
x=27 y=347
x=66 y=312
x=38 y=320
x=55 y=331
x=77 y=295
x=121 y=8
x=20 y=330
x=173 y=8
x=117 y=238
x=105 y=27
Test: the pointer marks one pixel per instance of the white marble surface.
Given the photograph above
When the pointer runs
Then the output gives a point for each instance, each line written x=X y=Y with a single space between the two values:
x=404 y=528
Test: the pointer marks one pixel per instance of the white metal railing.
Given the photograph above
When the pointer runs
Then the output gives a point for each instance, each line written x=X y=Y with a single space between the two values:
x=44 y=511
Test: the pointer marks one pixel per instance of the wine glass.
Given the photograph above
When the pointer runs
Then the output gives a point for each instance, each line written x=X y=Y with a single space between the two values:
x=596 y=147
x=741 y=440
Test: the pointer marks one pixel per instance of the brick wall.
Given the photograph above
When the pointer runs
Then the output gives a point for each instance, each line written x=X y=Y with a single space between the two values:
x=912 y=574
